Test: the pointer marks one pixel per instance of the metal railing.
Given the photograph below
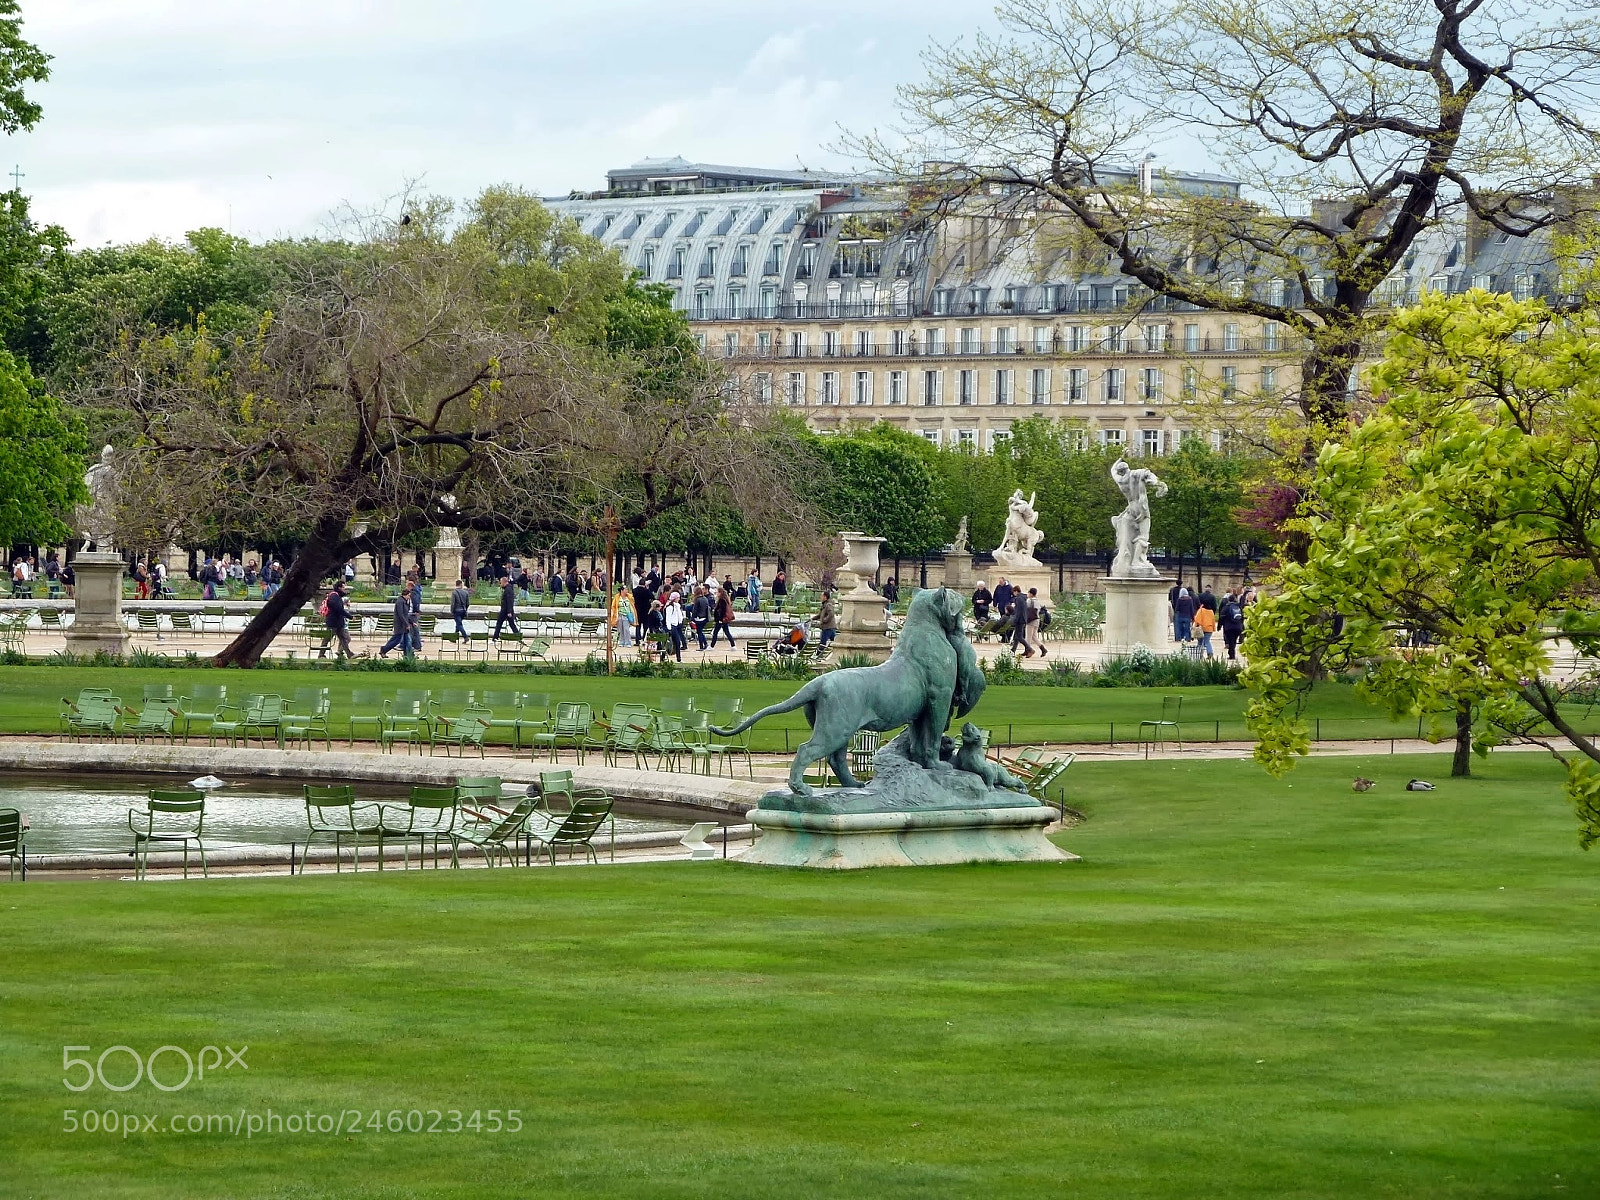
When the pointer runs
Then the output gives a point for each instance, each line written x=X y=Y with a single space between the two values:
x=1055 y=347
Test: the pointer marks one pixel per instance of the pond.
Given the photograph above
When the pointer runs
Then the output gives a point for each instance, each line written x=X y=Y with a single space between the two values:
x=88 y=814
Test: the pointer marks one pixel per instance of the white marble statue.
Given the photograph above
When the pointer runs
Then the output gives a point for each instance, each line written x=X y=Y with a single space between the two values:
x=96 y=517
x=1133 y=523
x=1015 y=551
x=959 y=546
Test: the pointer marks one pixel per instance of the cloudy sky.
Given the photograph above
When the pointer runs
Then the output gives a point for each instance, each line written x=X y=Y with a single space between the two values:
x=166 y=115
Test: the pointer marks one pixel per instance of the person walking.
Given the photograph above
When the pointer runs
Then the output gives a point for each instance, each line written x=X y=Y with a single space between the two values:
x=460 y=605
x=1230 y=615
x=336 y=616
x=622 y=615
x=403 y=618
x=1182 y=615
x=1205 y=624
x=827 y=621
x=700 y=613
x=673 y=618
x=1031 y=610
x=724 y=617
x=416 y=611
x=752 y=592
x=780 y=591
x=508 y=608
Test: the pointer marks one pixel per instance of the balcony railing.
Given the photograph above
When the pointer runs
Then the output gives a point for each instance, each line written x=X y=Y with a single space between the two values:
x=1098 y=347
x=859 y=310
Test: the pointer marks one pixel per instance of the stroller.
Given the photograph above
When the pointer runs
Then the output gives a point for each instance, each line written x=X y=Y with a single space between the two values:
x=792 y=642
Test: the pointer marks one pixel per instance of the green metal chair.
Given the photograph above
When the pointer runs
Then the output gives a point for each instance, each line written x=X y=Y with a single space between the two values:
x=577 y=829
x=429 y=816
x=148 y=622
x=1153 y=733
x=262 y=716
x=309 y=718
x=154 y=720
x=484 y=789
x=467 y=729
x=201 y=704
x=666 y=740
x=727 y=749
x=334 y=812
x=176 y=815
x=570 y=729
x=404 y=722
x=159 y=691
x=94 y=713
x=509 y=645
x=370 y=700
x=536 y=650
x=494 y=831
x=626 y=727
x=13 y=842
x=1047 y=773
x=213 y=618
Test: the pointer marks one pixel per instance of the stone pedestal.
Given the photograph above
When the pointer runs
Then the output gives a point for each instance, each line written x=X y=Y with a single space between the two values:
x=1022 y=578
x=848 y=841
x=1136 y=615
x=958 y=573
x=447 y=557
x=97 y=605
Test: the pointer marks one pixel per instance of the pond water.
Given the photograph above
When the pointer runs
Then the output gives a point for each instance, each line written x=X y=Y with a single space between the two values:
x=88 y=814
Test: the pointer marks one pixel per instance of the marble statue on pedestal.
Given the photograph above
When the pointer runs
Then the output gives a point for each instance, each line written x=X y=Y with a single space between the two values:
x=1133 y=523
x=96 y=518
x=959 y=546
x=1015 y=552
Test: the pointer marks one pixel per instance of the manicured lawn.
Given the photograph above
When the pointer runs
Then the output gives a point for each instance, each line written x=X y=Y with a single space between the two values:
x=1248 y=988
x=30 y=697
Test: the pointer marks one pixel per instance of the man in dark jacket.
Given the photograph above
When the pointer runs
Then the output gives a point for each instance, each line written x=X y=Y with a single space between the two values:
x=1003 y=592
x=508 y=608
x=338 y=621
x=460 y=605
x=1207 y=599
x=404 y=624
x=1230 y=615
x=982 y=598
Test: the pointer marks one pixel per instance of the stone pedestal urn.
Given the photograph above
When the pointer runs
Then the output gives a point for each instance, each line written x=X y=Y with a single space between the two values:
x=862 y=623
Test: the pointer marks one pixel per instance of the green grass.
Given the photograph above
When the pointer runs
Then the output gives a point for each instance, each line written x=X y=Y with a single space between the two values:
x=30 y=697
x=1248 y=988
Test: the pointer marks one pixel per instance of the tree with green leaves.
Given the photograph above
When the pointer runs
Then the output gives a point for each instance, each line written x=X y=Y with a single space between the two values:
x=1355 y=128
x=1454 y=541
x=42 y=452
x=880 y=482
x=1196 y=516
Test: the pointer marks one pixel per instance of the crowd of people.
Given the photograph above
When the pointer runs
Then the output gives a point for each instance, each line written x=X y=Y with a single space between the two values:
x=1020 y=618
x=1196 y=617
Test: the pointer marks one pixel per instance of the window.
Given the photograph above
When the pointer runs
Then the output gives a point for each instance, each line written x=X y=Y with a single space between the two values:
x=1230 y=382
x=1004 y=382
x=762 y=388
x=1077 y=337
x=730 y=345
x=741 y=260
x=1274 y=291
x=967 y=388
x=708 y=264
x=966 y=439
x=769 y=302
x=700 y=341
x=864 y=341
x=702 y=305
x=1082 y=298
x=1110 y=437
x=1269 y=380
x=764 y=343
x=933 y=387
x=1271 y=336
x=1078 y=438
x=980 y=300
x=647 y=263
x=1150 y=442
x=1191 y=339
x=933 y=435
x=1483 y=282
x=1077 y=385
x=1112 y=383
x=999 y=440
x=1039 y=386
x=969 y=341
x=828 y=388
x=774 y=264
x=941 y=301
x=1230 y=336
x=1114 y=338
x=1041 y=339
x=1317 y=287
x=795 y=387
x=830 y=343
x=1155 y=338
x=735 y=301
x=797 y=343
x=1013 y=299
x=897 y=342
x=863 y=388
x=1005 y=340
x=1522 y=287
x=1152 y=384
x=897 y=387
x=1191 y=382
x=808 y=261
x=1236 y=288
x=675 y=263
x=934 y=340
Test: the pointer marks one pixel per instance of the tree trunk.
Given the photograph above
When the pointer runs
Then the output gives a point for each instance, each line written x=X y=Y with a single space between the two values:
x=1461 y=761
x=321 y=553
